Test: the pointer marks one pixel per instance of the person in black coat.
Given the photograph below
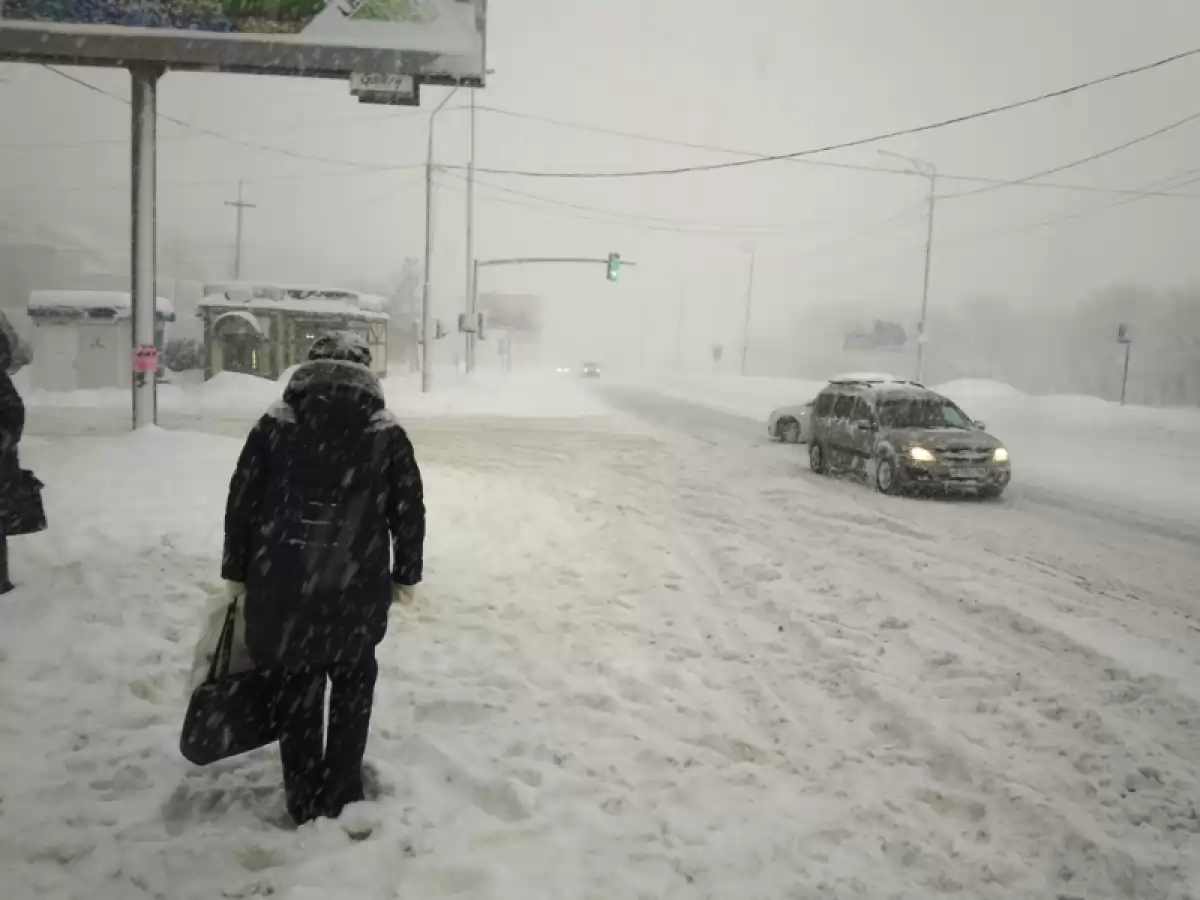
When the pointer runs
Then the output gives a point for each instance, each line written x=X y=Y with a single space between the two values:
x=324 y=529
x=12 y=425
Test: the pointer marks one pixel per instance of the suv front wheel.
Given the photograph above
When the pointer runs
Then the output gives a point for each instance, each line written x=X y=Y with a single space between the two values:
x=816 y=458
x=887 y=474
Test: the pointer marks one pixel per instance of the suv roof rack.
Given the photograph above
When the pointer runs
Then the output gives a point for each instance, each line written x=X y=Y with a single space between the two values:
x=871 y=381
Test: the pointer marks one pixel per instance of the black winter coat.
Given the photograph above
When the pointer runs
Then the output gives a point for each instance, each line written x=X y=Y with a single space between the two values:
x=12 y=425
x=326 y=511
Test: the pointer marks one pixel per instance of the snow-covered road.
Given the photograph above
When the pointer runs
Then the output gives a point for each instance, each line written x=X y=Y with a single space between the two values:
x=659 y=659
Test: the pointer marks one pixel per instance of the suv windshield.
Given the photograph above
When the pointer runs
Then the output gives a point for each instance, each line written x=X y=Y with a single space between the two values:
x=926 y=413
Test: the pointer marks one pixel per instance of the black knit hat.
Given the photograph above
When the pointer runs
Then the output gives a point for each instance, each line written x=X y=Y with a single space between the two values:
x=347 y=346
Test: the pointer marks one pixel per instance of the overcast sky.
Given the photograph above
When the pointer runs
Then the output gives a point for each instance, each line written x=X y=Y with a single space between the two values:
x=766 y=76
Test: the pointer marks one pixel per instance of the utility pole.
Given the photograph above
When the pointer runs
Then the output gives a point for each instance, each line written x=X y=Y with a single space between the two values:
x=426 y=315
x=679 y=333
x=928 y=170
x=470 y=295
x=749 y=301
x=241 y=205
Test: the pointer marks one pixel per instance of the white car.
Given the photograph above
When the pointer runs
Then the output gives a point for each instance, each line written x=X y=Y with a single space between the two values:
x=790 y=424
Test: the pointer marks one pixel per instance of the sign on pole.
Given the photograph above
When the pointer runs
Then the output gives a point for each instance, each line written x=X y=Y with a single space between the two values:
x=436 y=41
x=397 y=90
x=1123 y=336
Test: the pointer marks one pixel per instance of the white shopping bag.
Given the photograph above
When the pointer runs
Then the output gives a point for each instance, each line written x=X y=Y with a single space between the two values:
x=216 y=608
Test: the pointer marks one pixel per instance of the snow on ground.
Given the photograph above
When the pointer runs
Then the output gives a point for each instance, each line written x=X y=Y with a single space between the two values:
x=1133 y=457
x=1137 y=458
x=646 y=666
x=233 y=395
x=491 y=394
x=753 y=396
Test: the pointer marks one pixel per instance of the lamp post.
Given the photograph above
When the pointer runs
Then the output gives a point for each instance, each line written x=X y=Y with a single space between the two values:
x=928 y=170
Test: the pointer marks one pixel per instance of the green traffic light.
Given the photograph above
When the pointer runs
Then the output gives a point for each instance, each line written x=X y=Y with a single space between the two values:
x=614 y=266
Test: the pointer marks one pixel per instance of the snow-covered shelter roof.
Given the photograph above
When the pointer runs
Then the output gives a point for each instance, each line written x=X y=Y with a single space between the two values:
x=317 y=305
x=101 y=305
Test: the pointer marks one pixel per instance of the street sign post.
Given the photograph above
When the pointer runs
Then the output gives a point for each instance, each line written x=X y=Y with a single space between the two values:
x=1124 y=337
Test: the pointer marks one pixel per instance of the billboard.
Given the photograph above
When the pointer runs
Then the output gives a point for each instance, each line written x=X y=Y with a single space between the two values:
x=514 y=313
x=436 y=41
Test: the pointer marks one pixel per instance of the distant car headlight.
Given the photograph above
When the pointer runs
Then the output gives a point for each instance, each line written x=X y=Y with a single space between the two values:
x=1001 y=454
x=919 y=454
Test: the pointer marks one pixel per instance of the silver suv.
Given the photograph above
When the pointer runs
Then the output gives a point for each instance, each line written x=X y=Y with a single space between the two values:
x=904 y=436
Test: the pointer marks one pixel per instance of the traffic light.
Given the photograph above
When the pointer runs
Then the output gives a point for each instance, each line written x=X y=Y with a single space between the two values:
x=614 y=266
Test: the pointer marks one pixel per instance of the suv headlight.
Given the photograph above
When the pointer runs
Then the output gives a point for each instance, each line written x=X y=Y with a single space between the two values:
x=919 y=454
x=1001 y=454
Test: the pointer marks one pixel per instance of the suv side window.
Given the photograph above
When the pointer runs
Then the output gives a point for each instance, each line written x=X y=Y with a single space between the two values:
x=862 y=412
x=843 y=407
x=824 y=405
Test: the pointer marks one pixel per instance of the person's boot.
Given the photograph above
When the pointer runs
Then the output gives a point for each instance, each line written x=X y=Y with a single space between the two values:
x=6 y=586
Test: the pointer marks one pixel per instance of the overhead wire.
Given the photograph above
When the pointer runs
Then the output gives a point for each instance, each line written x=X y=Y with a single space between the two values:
x=1140 y=139
x=856 y=142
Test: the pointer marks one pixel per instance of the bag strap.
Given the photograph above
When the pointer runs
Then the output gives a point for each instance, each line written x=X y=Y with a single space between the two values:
x=224 y=645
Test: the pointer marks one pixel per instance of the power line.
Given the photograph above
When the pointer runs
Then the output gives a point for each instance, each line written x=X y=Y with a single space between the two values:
x=748 y=156
x=857 y=142
x=702 y=226
x=282 y=151
x=1079 y=162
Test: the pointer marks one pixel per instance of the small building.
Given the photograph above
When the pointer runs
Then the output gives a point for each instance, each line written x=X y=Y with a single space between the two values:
x=265 y=329
x=84 y=339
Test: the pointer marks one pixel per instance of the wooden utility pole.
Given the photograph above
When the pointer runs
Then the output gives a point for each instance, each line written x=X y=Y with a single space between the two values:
x=241 y=205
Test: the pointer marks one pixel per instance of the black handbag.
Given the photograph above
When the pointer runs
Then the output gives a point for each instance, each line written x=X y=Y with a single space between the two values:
x=229 y=714
x=25 y=513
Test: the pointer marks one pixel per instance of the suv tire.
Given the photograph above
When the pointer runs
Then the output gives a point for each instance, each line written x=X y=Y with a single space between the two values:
x=887 y=475
x=816 y=458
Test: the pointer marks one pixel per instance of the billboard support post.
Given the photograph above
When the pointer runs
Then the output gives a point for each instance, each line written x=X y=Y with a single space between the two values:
x=143 y=289
x=426 y=306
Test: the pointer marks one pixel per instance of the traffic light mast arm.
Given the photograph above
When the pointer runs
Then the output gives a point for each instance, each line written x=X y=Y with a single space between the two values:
x=538 y=260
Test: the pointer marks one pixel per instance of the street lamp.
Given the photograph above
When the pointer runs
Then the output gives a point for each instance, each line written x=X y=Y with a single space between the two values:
x=752 y=250
x=928 y=170
x=426 y=343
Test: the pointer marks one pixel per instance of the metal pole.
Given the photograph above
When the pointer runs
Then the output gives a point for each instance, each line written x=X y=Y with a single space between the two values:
x=746 y=324
x=1125 y=376
x=426 y=306
x=679 y=334
x=925 y=290
x=237 y=253
x=471 y=270
x=143 y=290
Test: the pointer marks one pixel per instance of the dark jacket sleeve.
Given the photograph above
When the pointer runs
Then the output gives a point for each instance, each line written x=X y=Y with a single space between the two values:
x=406 y=512
x=12 y=415
x=242 y=508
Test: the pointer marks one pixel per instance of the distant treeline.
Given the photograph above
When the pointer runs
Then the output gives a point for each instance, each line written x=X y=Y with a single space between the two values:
x=1073 y=348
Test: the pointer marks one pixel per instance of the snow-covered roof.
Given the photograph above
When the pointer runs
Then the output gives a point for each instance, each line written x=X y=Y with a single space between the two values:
x=314 y=306
x=91 y=304
x=864 y=376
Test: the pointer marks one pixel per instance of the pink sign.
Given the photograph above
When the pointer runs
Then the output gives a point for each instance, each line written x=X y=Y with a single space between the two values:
x=146 y=359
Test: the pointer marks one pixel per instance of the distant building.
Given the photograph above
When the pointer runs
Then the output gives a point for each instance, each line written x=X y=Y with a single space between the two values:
x=515 y=321
x=84 y=339
x=265 y=329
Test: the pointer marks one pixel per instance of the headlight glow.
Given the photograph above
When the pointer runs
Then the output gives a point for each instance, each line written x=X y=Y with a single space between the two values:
x=920 y=454
x=1001 y=454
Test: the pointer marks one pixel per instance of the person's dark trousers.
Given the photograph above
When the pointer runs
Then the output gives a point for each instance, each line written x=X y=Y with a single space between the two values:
x=320 y=777
x=5 y=584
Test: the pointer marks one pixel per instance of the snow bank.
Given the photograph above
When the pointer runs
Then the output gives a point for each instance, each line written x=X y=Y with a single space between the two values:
x=485 y=395
x=752 y=397
x=234 y=395
x=1136 y=457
